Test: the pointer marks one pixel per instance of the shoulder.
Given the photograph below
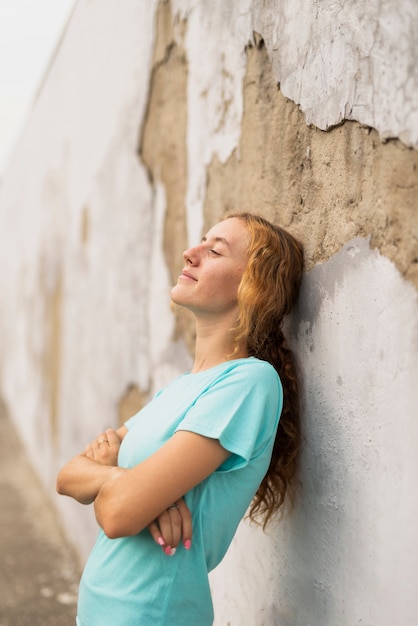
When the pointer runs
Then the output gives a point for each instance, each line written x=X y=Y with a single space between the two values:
x=252 y=369
x=244 y=377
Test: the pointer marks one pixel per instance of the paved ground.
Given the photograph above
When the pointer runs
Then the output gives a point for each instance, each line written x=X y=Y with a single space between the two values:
x=39 y=571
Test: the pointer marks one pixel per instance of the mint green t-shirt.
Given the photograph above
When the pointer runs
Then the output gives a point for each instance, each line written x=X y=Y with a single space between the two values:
x=130 y=581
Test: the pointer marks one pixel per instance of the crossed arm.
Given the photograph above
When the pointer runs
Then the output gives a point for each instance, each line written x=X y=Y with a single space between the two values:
x=128 y=500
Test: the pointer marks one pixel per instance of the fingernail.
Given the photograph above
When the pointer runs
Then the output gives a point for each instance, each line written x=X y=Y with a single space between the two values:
x=160 y=541
x=167 y=550
x=187 y=544
x=173 y=551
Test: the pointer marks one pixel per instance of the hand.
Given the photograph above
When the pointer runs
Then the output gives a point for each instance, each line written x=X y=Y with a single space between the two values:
x=105 y=448
x=174 y=524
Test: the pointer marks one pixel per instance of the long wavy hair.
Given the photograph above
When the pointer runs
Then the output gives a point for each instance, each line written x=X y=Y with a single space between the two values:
x=267 y=293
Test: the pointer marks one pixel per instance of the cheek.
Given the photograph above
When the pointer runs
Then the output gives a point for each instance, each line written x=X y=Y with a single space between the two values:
x=228 y=285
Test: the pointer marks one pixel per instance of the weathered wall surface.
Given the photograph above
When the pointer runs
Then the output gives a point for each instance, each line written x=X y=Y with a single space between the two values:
x=352 y=60
x=151 y=124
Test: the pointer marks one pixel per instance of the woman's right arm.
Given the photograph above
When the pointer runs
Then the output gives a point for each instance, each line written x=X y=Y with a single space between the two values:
x=83 y=476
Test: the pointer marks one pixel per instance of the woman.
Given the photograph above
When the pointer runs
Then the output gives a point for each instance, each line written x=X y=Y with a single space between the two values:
x=212 y=436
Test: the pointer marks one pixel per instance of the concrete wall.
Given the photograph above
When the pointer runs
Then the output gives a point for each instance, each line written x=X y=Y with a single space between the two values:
x=151 y=123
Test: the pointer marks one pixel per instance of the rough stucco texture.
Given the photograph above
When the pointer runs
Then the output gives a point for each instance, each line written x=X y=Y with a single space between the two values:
x=333 y=185
x=163 y=139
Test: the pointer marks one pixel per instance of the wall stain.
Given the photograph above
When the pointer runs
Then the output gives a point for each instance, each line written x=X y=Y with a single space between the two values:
x=132 y=401
x=162 y=146
x=52 y=292
x=85 y=226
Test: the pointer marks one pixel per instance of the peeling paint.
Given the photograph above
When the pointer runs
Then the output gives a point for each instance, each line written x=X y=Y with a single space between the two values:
x=354 y=61
x=326 y=187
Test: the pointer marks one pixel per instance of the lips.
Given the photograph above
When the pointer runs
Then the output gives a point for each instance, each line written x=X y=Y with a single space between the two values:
x=186 y=274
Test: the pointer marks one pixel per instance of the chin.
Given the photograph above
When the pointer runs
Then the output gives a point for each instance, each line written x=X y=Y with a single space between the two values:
x=175 y=299
x=176 y=294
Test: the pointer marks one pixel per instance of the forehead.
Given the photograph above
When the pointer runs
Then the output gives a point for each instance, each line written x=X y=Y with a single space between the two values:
x=232 y=232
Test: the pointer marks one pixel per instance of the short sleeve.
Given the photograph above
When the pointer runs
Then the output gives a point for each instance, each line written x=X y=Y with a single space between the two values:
x=241 y=409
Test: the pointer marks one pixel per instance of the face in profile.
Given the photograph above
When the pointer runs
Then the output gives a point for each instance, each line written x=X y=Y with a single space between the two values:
x=208 y=284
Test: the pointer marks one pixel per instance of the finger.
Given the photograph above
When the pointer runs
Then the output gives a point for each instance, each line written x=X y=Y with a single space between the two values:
x=186 y=521
x=102 y=439
x=164 y=523
x=92 y=450
x=176 y=525
x=112 y=437
x=156 y=534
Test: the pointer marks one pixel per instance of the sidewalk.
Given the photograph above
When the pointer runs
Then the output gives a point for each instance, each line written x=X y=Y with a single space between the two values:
x=39 y=571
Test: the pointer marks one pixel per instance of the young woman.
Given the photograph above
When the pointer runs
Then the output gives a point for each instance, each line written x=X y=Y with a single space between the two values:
x=205 y=447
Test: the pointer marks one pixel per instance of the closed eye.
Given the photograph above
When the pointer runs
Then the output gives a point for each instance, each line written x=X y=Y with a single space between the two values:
x=215 y=252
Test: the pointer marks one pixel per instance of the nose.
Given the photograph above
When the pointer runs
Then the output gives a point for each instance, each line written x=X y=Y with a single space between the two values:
x=191 y=255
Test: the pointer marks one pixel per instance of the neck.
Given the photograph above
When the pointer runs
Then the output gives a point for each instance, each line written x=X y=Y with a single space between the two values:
x=214 y=344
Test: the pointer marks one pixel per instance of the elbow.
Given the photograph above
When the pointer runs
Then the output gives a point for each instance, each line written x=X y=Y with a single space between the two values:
x=113 y=525
x=60 y=484
x=108 y=521
x=63 y=484
x=67 y=487
x=113 y=518
x=112 y=531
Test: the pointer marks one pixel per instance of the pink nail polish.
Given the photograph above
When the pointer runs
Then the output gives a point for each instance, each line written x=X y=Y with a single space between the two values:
x=167 y=550
x=187 y=544
x=160 y=541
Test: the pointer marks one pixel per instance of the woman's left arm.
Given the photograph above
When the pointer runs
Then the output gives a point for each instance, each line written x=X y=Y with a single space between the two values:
x=131 y=502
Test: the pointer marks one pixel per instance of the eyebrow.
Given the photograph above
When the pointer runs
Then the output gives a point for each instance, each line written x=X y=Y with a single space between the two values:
x=218 y=240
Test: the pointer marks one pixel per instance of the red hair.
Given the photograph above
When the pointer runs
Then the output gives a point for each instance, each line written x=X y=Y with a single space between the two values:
x=267 y=293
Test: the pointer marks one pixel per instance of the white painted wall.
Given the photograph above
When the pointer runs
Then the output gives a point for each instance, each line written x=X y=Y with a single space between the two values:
x=348 y=553
x=78 y=154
